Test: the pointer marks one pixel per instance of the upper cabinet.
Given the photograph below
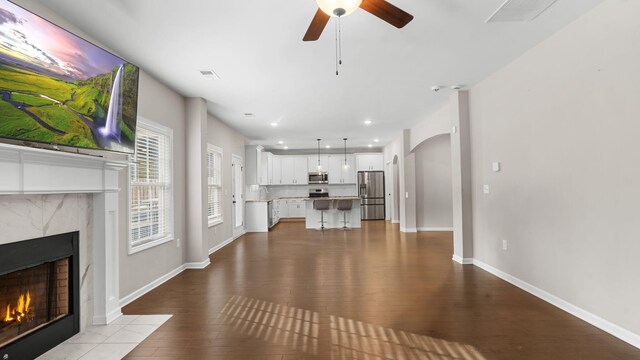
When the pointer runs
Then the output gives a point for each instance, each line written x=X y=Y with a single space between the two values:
x=294 y=170
x=253 y=164
x=276 y=179
x=266 y=168
x=370 y=162
x=339 y=173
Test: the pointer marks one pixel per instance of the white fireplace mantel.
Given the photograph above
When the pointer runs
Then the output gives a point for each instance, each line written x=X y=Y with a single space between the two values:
x=25 y=170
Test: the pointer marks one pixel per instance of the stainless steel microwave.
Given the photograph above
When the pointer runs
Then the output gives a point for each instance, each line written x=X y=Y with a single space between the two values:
x=318 y=178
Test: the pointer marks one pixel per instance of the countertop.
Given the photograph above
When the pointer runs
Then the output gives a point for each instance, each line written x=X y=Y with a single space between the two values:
x=306 y=198
x=334 y=198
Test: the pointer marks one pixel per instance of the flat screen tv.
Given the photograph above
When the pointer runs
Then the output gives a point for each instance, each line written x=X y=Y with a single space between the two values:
x=57 y=88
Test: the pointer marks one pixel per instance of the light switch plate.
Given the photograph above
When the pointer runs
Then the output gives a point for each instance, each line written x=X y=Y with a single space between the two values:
x=406 y=195
x=504 y=245
x=454 y=130
x=496 y=166
x=486 y=189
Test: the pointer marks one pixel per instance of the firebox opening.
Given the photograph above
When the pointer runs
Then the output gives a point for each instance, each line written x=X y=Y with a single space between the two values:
x=32 y=298
x=39 y=295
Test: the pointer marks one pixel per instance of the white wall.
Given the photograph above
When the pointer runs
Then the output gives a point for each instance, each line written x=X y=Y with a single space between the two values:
x=434 y=205
x=232 y=143
x=564 y=121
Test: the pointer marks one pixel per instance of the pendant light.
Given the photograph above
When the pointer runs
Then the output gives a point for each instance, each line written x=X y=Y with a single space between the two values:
x=346 y=165
x=319 y=166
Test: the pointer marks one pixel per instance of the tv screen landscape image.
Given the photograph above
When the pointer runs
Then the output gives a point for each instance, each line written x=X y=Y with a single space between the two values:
x=58 y=88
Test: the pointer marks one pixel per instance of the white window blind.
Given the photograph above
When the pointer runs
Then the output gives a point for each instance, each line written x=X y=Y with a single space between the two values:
x=214 y=184
x=150 y=198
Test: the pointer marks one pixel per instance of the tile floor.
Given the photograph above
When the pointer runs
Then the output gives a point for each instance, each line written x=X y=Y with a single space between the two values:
x=111 y=342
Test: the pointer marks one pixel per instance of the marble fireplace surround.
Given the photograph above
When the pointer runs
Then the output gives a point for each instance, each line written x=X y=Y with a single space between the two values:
x=43 y=192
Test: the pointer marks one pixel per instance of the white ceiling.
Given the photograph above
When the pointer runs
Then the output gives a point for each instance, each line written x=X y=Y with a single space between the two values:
x=256 y=47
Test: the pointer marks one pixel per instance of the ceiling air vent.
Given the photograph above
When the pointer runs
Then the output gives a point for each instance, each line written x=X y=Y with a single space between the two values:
x=520 y=10
x=210 y=74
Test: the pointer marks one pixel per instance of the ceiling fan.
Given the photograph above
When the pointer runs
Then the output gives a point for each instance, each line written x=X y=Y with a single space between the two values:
x=339 y=8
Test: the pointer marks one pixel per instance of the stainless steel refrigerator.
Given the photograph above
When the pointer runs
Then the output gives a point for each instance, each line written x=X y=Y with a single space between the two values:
x=371 y=191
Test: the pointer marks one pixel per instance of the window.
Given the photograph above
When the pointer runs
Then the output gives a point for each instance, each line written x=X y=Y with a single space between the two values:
x=151 y=194
x=214 y=184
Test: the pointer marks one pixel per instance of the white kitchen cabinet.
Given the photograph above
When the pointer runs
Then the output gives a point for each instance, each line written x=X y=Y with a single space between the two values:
x=296 y=208
x=338 y=174
x=294 y=170
x=276 y=178
x=257 y=216
x=266 y=168
x=370 y=162
x=312 y=162
x=283 y=207
x=253 y=164
x=301 y=172
x=288 y=170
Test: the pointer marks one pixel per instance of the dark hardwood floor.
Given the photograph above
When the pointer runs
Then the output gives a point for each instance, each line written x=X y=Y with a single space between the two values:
x=372 y=293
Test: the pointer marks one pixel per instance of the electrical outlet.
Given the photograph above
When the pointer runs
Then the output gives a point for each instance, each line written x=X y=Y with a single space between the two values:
x=486 y=189
x=177 y=242
x=504 y=245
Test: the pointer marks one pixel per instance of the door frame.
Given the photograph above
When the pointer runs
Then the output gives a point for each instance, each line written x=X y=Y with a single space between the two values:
x=237 y=230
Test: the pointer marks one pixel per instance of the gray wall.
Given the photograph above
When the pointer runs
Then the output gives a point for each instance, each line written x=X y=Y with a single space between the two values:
x=232 y=143
x=160 y=104
x=164 y=106
x=564 y=121
x=434 y=205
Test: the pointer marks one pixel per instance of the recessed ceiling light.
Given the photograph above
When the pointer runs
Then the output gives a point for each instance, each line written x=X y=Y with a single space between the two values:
x=328 y=146
x=280 y=142
x=370 y=145
x=376 y=140
x=274 y=124
x=286 y=148
x=368 y=122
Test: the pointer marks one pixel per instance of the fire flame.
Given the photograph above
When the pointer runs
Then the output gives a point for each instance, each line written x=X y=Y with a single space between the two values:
x=20 y=312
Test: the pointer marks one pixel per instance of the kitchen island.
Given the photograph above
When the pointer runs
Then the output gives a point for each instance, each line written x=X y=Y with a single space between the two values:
x=263 y=214
x=333 y=217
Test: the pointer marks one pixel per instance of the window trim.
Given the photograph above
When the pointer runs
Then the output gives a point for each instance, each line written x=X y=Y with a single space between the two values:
x=153 y=126
x=217 y=220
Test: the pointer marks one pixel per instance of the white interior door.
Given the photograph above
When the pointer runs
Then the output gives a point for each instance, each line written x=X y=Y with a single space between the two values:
x=237 y=180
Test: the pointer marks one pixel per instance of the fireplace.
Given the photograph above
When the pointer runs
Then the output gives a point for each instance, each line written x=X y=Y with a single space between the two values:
x=39 y=295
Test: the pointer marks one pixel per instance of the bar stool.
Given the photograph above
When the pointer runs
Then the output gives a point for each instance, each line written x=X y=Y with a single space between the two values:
x=344 y=206
x=322 y=206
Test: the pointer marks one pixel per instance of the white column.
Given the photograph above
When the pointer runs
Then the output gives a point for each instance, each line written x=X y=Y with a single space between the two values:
x=196 y=242
x=461 y=177
x=106 y=269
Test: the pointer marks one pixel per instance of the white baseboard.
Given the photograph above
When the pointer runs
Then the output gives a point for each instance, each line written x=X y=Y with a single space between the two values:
x=463 y=261
x=605 y=325
x=164 y=278
x=408 y=230
x=198 y=265
x=109 y=318
x=152 y=285
x=435 y=229
x=395 y=221
x=224 y=243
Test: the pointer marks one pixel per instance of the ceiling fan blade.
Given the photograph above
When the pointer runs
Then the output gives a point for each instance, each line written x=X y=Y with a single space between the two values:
x=317 y=25
x=387 y=12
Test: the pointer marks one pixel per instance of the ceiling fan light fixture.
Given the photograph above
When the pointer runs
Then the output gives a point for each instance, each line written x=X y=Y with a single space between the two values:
x=338 y=8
